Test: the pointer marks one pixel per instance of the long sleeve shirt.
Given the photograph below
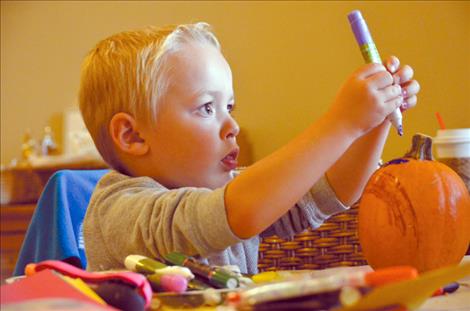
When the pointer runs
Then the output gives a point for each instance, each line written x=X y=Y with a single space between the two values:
x=137 y=215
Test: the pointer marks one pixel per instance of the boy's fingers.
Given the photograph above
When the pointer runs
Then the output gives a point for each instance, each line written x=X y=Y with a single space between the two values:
x=393 y=104
x=410 y=88
x=392 y=63
x=408 y=103
x=380 y=79
x=403 y=75
x=368 y=70
x=391 y=92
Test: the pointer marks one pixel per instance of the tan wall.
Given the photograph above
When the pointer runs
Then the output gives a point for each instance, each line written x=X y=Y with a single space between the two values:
x=288 y=59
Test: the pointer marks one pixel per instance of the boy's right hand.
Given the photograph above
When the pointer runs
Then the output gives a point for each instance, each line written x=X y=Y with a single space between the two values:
x=366 y=98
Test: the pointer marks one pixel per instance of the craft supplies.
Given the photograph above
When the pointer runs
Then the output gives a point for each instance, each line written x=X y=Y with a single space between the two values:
x=137 y=282
x=148 y=265
x=307 y=287
x=216 y=276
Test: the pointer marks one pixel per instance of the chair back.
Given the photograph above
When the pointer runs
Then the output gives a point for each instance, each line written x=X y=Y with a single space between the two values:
x=55 y=231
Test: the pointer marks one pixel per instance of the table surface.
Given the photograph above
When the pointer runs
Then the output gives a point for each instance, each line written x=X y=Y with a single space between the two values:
x=457 y=301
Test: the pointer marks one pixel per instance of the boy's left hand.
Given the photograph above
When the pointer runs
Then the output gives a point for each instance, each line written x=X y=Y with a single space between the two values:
x=403 y=77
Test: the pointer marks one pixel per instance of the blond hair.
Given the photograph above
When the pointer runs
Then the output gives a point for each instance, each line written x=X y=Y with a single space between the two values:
x=126 y=73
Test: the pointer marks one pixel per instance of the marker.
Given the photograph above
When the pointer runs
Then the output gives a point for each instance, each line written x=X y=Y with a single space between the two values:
x=148 y=265
x=316 y=285
x=168 y=283
x=371 y=55
x=196 y=284
x=217 y=278
x=449 y=288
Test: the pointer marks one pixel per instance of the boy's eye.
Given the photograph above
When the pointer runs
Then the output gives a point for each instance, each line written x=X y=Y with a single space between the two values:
x=207 y=109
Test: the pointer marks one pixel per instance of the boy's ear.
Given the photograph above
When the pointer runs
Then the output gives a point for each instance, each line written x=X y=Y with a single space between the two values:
x=125 y=134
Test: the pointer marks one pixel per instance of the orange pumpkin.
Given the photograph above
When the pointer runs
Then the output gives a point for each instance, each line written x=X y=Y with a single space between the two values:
x=415 y=211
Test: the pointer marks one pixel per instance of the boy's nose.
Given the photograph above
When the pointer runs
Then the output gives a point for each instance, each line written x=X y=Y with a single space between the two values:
x=230 y=128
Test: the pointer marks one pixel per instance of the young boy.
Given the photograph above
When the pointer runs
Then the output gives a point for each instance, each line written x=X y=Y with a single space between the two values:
x=158 y=105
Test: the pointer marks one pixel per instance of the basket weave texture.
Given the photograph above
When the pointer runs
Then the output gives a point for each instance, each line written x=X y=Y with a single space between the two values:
x=334 y=244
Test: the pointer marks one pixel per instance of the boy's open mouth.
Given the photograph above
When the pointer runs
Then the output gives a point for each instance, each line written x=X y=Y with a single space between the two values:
x=230 y=160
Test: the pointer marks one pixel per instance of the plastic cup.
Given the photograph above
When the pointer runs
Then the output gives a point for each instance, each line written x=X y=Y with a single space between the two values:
x=452 y=147
x=452 y=143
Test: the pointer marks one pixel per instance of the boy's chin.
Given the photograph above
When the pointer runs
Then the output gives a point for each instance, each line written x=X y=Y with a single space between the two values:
x=219 y=181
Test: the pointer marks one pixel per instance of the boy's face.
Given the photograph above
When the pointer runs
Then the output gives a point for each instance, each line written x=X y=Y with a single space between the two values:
x=193 y=142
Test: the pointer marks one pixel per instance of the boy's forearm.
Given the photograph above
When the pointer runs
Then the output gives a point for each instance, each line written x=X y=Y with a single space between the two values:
x=268 y=189
x=349 y=175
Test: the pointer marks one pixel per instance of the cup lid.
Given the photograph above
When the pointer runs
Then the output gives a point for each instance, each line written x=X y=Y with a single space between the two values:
x=452 y=136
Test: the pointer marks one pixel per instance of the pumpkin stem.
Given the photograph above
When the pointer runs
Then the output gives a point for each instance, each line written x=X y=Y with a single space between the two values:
x=421 y=148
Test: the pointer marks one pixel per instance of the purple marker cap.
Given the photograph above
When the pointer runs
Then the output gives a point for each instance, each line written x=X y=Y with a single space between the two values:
x=359 y=28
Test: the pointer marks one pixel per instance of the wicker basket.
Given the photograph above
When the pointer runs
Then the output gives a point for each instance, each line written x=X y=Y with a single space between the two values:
x=333 y=244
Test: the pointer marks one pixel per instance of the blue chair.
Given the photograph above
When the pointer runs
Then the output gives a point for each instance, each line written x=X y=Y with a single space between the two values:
x=55 y=231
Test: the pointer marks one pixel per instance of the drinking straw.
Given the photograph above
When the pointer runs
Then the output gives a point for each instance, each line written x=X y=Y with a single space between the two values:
x=441 y=122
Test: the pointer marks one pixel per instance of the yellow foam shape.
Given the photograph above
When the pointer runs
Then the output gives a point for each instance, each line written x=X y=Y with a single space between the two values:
x=264 y=277
x=411 y=293
x=84 y=288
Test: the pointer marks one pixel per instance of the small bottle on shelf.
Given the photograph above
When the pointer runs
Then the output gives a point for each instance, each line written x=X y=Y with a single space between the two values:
x=28 y=146
x=48 y=144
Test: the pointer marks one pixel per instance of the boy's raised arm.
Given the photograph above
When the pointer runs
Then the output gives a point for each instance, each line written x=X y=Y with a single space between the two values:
x=266 y=190
x=349 y=175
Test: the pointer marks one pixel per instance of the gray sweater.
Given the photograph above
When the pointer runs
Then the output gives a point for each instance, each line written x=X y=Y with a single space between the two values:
x=136 y=215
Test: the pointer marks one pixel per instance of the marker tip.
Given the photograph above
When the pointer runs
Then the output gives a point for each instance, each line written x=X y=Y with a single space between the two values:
x=400 y=130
